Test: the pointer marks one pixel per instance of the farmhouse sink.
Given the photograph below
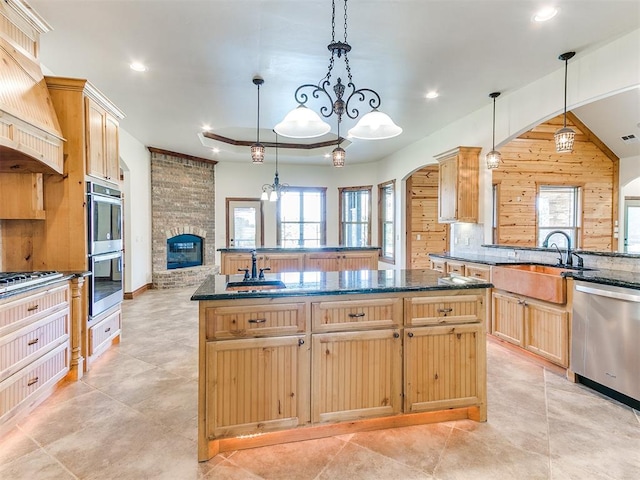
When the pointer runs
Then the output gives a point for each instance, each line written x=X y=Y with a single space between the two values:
x=543 y=282
x=253 y=285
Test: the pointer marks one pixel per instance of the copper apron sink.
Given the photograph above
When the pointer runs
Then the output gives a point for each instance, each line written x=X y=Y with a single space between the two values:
x=543 y=282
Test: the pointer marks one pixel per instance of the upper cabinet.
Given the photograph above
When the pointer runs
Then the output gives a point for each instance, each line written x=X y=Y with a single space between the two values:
x=101 y=142
x=90 y=122
x=458 y=185
x=30 y=136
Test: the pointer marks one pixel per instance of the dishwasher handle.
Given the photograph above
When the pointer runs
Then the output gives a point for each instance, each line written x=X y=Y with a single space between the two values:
x=608 y=293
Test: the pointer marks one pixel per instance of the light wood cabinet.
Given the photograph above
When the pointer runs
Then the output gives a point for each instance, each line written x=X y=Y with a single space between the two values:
x=101 y=142
x=438 y=264
x=256 y=385
x=35 y=350
x=22 y=196
x=356 y=375
x=444 y=309
x=455 y=267
x=356 y=314
x=458 y=185
x=537 y=326
x=279 y=262
x=477 y=270
x=444 y=367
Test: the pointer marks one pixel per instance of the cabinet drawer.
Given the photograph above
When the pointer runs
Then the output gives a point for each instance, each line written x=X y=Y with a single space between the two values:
x=255 y=320
x=25 y=309
x=455 y=267
x=356 y=314
x=102 y=332
x=42 y=373
x=483 y=273
x=445 y=309
x=25 y=345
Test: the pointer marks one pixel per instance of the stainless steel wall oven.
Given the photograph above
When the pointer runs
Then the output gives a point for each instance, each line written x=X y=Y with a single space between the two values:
x=106 y=287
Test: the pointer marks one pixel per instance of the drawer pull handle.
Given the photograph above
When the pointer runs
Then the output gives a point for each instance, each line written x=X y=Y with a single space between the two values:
x=445 y=310
x=31 y=309
x=258 y=320
x=31 y=382
x=32 y=342
x=356 y=315
x=107 y=330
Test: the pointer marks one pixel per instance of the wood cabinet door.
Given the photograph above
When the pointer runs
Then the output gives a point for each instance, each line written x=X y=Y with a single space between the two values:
x=356 y=375
x=443 y=367
x=256 y=385
x=547 y=332
x=321 y=262
x=508 y=318
x=231 y=262
x=95 y=137
x=111 y=150
x=284 y=262
x=447 y=190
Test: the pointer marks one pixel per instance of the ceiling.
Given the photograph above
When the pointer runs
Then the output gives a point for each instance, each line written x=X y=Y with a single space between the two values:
x=202 y=56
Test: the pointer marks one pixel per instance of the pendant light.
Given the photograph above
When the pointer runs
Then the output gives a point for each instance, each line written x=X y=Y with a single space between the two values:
x=275 y=190
x=338 y=155
x=257 y=149
x=493 y=157
x=565 y=136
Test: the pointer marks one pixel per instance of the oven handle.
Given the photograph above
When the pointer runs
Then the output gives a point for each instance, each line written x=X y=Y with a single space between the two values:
x=102 y=198
x=107 y=256
x=608 y=293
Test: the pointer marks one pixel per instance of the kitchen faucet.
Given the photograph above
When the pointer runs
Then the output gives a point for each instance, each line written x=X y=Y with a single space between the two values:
x=254 y=269
x=569 y=261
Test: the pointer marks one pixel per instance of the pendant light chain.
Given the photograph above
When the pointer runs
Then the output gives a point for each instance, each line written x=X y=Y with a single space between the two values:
x=258 y=122
x=566 y=68
x=493 y=141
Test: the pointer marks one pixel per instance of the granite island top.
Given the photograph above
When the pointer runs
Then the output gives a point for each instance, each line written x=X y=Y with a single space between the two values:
x=338 y=283
x=616 y=278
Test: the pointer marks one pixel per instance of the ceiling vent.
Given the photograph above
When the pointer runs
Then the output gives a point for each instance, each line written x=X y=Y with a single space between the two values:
x=629 y=139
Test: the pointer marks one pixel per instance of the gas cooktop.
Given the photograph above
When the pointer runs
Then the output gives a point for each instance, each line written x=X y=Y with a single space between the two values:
x=10 y=281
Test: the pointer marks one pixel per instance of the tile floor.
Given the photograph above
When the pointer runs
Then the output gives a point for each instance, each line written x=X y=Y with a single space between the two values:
x=133 y=416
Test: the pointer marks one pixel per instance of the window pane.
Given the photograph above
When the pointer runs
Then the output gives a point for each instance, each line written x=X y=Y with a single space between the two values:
x=312 y=207
x=355 y=235
x=301 y=221
x=387 y=240
x=558 y=210
x=245 y=226
x=290 y=207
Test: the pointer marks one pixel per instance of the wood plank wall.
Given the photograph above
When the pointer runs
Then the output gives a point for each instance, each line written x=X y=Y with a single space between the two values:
x=531 y=160
x=422 y=218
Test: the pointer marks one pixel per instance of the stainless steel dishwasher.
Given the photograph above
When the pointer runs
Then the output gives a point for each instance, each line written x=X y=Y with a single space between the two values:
x=605 y=336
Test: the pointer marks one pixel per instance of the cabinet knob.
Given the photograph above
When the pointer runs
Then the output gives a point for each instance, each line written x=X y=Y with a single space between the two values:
x=396 y=335
x=300 y=342
x=410 y=334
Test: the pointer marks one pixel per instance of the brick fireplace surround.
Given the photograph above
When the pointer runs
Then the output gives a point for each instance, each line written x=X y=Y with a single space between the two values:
x=182 y=202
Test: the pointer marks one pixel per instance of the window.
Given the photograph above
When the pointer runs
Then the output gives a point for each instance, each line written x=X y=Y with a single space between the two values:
x=559 y=209
x=301 y=217
x=355 y=216
x=386 y=223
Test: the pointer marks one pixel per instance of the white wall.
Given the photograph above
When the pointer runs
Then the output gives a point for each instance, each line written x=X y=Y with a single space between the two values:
x=629 y=187
x=135 y=160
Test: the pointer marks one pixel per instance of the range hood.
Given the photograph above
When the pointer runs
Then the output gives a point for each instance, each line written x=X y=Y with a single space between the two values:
x=30 y=136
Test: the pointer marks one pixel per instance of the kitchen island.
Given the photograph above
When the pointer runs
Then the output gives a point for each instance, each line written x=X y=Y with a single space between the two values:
x=306 y=355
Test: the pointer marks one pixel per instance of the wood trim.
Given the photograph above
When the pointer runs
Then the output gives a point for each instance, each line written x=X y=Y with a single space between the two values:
x=248 y=143
x=381 y=187
x=407 y=222
x=227 y=200
x=137 y=292
x=160 y=151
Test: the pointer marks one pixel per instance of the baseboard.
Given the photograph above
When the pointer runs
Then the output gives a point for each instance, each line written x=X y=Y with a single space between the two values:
x=137 y=292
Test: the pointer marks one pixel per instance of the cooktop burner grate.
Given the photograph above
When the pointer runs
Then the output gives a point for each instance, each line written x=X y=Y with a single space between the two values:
x=10 y=281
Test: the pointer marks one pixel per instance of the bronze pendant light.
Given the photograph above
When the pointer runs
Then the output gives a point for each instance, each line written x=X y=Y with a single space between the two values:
x=257 y=149
x=494 y=157
x=565 y=136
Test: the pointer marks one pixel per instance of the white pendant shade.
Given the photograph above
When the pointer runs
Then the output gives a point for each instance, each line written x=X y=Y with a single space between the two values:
x=302 y=122
x=375 y=125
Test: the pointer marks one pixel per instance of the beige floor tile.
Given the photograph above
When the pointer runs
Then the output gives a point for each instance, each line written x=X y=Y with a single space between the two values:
x=14 y=444
x=227 y=470
x=36 y=465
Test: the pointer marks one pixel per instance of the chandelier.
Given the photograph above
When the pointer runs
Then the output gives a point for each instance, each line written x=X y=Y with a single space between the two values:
x=565 y=136
x=303 y=122
x=493 y=157
x=275 y=190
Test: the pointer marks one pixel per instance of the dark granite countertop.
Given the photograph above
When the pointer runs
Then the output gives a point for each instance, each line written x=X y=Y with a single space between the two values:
x=339 y=283
x=295 y=249
x=617 y=278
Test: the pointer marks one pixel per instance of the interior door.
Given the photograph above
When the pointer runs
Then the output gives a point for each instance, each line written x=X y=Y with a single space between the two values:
x=632 y=225
x=244 y=223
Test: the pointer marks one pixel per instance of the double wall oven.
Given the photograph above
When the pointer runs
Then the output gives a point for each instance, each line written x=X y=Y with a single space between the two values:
x=105 y=248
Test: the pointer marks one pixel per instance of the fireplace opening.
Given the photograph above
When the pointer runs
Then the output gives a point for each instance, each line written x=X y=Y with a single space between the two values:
x=184 y=251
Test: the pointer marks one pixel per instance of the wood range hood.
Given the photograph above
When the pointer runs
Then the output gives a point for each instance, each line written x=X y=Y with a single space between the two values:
x=30 y=137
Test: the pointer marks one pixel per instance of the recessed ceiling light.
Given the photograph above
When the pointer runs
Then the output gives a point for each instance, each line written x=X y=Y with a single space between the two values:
x=138 y=67
x=545 y=14
x=215 y=150
x=206 y=127
x=432 y=94
x=327 y=155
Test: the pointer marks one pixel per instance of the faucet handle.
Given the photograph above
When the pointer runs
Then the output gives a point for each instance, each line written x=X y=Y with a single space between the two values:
x=246 y=273
x=261 y=275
